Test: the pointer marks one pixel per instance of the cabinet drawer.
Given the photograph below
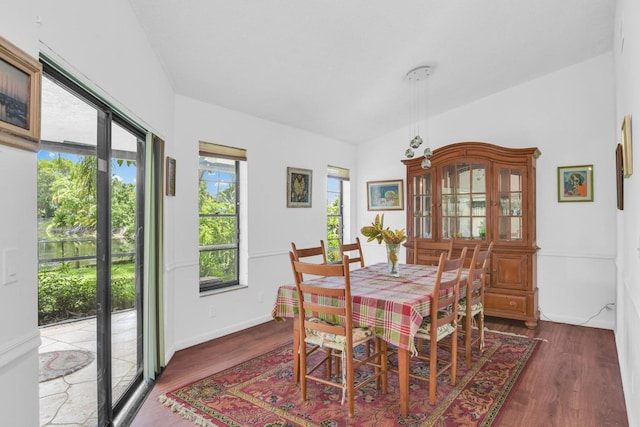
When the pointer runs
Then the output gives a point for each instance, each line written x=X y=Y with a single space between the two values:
x=515 y=304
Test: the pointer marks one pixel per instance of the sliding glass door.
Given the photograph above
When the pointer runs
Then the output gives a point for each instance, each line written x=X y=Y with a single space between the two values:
x=91 y=237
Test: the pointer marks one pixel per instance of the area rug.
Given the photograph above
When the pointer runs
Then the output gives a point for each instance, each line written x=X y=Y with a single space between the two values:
x=261 y=392
x=55 y=364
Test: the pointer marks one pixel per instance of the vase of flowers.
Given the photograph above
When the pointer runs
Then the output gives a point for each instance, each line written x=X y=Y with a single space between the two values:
x=393 y=240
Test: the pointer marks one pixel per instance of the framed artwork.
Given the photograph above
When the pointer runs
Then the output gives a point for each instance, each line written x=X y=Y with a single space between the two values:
x=619 y=177
x=20 y=83
x=385 y=195
x=170 y=185
x=575 y=183
x=299 y=188
x=626 y=147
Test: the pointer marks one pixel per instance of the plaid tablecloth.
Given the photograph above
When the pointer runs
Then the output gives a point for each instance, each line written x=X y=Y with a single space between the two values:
x=393 y=306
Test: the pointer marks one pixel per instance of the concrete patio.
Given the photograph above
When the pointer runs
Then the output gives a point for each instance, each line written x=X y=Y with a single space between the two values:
x=71 y=400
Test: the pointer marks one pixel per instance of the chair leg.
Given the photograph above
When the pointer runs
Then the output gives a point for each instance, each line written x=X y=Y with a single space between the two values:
x=481 y=331
x=303 y=372
x=329 y=355
x=349 y=385
x=468 y=337
x=433 y=369
x=384 y=362
x=296 y=351
x=381 y=362
x=454 y=356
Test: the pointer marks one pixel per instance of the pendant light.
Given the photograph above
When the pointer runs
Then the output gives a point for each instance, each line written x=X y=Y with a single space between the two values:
x=418 y=78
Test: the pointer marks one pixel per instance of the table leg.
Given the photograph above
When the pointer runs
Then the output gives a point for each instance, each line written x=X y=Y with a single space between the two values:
x=403 y=380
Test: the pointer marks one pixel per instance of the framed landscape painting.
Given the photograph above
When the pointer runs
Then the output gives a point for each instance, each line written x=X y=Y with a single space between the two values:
x=20 y=83
x=385 y=195
x=575 y=183
x=298 y=188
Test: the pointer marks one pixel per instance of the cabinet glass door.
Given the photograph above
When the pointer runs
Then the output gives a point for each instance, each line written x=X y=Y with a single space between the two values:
x=464 y=201
x=422 y=206
x=510 y=186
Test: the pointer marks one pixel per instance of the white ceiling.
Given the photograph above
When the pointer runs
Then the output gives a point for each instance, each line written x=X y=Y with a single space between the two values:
x=337 y=67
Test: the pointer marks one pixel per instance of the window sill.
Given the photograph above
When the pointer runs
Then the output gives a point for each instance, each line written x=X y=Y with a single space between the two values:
x=223 y=290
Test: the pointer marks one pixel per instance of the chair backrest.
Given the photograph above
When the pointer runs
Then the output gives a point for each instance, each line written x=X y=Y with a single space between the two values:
x=315 y=251
x=354 y=251
x=427 y=252
x=446 y=290
x=478 y=271
x=316 y=301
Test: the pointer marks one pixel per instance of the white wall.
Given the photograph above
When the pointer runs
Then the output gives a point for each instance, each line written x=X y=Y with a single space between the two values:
x=271 y=148
x=116 y=64
x=626 y=50
x=569 y=116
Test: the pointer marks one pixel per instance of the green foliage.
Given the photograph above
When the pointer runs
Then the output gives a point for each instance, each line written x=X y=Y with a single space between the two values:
x=67 y=206
x=377 y=231
x=71 y=293
x=333 y=231
x=67 y=195
x=50 y=172
x=217 y=227
x=123 y=213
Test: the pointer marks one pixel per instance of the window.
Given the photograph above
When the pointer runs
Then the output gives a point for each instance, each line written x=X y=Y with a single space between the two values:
x=219 y=225
x=337 y=193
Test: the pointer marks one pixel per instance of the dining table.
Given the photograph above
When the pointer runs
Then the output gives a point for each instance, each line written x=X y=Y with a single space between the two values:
x=393 y=306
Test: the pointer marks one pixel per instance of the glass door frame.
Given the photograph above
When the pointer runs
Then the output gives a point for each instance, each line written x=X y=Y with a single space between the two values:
x=107 y=117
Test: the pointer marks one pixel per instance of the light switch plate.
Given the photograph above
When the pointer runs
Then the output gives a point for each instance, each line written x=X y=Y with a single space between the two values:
x=9 y=266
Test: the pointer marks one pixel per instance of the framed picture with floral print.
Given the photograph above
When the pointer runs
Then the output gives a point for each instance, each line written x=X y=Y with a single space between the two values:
x=299 y=188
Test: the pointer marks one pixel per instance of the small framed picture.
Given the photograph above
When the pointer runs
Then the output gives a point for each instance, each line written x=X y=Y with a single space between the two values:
x=627 y=148
x=20 y=82
x=575 y=183
x=299 y=188
x=171 y=177
x=385 y=195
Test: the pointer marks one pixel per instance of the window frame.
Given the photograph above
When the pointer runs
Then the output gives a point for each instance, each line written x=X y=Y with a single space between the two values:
x=341 y=175
x=214 y=151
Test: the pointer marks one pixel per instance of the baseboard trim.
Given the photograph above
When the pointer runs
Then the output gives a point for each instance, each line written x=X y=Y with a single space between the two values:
x=19 y=347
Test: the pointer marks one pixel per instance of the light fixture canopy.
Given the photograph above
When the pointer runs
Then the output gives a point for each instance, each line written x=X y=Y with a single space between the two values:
x=418 y=74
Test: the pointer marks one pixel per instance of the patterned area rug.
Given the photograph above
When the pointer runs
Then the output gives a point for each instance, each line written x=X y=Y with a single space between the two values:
x=55 y=364
x=261 y=392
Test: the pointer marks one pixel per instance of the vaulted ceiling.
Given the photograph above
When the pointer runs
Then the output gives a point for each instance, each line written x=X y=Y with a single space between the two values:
x=337 y=67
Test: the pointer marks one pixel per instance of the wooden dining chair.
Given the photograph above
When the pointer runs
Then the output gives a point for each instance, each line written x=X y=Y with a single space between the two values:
x=441 y=323
x=315 y=253
x=471 y=305
x=351 y=249
x=326 y=325
x=310 y=252
x=427 y=252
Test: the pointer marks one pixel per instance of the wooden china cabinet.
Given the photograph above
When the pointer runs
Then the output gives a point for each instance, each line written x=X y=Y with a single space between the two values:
x=479 y=192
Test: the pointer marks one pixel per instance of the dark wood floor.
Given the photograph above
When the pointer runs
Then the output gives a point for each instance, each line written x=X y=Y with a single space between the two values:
x=573 y=381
